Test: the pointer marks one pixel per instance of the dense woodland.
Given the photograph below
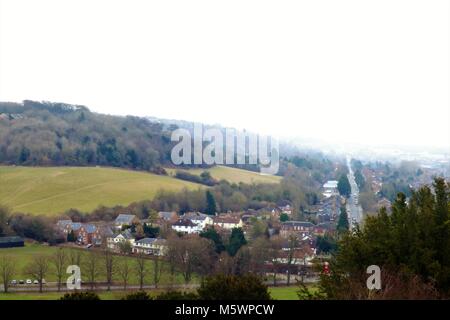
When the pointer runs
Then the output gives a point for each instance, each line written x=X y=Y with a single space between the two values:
x=44 y=133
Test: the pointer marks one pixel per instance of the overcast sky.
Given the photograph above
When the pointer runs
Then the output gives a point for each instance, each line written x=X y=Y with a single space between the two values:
x=370 y=72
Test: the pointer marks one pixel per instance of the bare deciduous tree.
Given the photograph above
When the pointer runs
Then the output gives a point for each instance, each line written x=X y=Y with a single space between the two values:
x=141 y=269
x=109 y=260
x=124 y=271
x=59 y=262
x=275 y=253
x=38 y=269
x=293 y=244
x=91 y=268
x=75 y=257
x=157 y=270
x=7 y=270
x=191 y=254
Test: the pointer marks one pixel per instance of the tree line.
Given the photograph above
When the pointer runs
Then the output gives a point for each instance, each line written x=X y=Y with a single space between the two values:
x=45 y=133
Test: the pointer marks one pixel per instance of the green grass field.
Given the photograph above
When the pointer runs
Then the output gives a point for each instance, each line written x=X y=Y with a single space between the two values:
x=234 y=175
x=104 y=295
x=284 y=293
x=52 y=190
x=23 y=256
x=277 y=293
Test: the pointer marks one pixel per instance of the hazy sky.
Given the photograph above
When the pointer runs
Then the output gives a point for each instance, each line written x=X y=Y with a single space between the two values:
x=347 y=71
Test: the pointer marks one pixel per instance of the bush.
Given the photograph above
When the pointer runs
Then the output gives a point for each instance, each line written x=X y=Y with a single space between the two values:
x=231 y=287
x=80 y=296
x=140 y=295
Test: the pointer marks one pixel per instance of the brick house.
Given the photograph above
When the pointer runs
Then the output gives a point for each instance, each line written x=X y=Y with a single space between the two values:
x=297 y=228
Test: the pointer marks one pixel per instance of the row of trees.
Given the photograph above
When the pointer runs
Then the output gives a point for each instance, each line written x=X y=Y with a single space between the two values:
x=94 y=265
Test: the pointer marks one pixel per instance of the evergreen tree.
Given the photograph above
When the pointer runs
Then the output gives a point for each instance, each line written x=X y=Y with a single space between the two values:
x=284 y=217
x=237 y=240
x=212 y=234
x=71 y=236
x=211 y=207
x=359 y=179
x=344 y=187
x=343 y=225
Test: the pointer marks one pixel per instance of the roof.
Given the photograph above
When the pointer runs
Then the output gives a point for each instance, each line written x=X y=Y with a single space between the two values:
x=160 y=242
x=75 y=225
x=195 y=216
x=166 y=215
x=125 y=218
x=10 y=239
x=90 y=228
x=63 y=223
x=227 y=219
x=325 y=225
x=305 y=224
x=127 y=235
x=184 y=223
x=330 y=184
x=146 y=241
x=106 y=231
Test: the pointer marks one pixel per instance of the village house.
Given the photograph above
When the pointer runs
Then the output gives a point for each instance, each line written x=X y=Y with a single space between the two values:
x=64 y=226
x=125 y=220
x=198 y=218
x=287 y=209
x=323 y=228
x=330 y=188
x=297 y=228
x=89 y=234
x=302 y=255
x=168 y=216
x=186 y=226
x=228 y=221
x=150 y=246
x=265 y=212
x=115 y=241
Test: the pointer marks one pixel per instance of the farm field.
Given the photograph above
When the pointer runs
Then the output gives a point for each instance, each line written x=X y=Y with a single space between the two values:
x=52 y=190
x=234 y=175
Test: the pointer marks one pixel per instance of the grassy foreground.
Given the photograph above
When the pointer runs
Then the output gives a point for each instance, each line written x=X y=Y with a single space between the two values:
x=277 y=293
x=24 y=256
x=52 y=190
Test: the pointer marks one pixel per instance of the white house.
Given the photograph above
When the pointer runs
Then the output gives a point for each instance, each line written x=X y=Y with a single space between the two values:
x=287 y=209
x=228 y=221
x=151 y=246
x=330 y=188
x=114 y=241
x=200 y=219
x=186 y=226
